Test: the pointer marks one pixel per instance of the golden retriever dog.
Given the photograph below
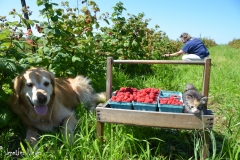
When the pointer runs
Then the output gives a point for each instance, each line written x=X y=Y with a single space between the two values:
x=44 y=102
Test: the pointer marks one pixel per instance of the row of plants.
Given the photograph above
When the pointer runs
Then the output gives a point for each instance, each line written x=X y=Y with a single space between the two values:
x=235 y=43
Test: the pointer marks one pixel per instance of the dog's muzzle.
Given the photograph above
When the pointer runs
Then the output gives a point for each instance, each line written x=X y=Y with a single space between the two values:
x=40 y=107
x=41 y=98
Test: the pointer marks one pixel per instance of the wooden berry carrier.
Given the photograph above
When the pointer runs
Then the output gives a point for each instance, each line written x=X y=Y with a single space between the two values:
x=105 y=114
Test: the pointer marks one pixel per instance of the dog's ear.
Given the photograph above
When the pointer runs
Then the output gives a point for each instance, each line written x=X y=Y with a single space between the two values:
x=17 y=88
x=52 y=78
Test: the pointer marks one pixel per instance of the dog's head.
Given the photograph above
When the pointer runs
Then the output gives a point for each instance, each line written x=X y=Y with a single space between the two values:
x=34 y=87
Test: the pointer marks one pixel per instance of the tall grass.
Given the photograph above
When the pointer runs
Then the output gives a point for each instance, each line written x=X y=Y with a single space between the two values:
x=135 y=142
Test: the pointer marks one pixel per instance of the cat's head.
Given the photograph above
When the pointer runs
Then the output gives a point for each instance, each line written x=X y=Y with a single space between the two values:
x=195 y=105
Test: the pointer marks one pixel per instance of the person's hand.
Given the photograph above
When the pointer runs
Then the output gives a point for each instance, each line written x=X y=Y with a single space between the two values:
x=166 y=55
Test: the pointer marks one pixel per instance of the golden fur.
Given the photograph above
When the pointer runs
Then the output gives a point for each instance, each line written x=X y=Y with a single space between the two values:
x=44 y=102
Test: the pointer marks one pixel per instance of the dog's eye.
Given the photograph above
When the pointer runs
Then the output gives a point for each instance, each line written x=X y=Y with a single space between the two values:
x=29 y=85
x=46 y=84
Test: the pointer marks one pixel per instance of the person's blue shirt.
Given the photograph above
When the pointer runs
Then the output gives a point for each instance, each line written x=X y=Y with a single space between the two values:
x=195 y=46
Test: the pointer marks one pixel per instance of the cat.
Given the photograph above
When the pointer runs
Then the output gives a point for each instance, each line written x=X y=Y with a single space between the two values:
x=194 y=102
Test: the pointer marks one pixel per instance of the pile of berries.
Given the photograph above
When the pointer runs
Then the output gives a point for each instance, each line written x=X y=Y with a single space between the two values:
x=173 y=99
x=129 y=94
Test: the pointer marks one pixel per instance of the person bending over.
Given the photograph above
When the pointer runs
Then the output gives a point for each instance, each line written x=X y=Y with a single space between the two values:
x=193 y=47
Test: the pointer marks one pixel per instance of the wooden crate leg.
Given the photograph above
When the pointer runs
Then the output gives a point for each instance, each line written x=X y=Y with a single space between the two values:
x=205 y=149
x=100 y=131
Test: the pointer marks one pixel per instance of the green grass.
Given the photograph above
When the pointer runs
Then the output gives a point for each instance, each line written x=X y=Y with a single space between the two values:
x=135 y=142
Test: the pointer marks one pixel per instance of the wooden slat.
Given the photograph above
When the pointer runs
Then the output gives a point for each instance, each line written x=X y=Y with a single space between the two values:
x=206 y=78
x=109 y=78
x=157 y=119
x=100 y=128
x=159 y=62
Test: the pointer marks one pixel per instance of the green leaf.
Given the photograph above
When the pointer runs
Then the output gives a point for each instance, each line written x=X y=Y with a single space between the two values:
x=42 y=11
x=55 y=4
x=4 y=34
x=48 y=6
x=3 y=97
x=126 y=44
x=59 y=12
x=97 y=25
x=48 y=30
x=5 y=116
x=57 y=31
x=10 y=65
x=134 y=43
x=15 y=22
x=106 y=21
x=19 y=44
x=114 y=13
x=36 y=21
x=39 y=2
x=30 y=22
x=54 y=18
x=70 y=71
x=23 y=149
x=38 y=60
x=6 y=44
x=74 y=59
x=46 y=50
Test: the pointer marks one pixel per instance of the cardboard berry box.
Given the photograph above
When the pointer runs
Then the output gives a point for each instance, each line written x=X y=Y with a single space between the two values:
x=177 y=108
x=170 y=108
x=144 y=106
x=170 y=93
x=120 y=105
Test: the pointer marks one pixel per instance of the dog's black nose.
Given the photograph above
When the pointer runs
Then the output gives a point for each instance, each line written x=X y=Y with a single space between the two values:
x=41 y=98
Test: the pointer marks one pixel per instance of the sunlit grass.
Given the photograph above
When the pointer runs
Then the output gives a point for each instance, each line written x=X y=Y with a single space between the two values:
x=135 y=142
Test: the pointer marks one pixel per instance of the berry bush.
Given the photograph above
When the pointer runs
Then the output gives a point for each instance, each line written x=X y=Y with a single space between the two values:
x=235 y=43
x=208 y=42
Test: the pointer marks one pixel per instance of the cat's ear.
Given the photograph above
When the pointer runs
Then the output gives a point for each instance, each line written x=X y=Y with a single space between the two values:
x=189 y=86
x=203 y=100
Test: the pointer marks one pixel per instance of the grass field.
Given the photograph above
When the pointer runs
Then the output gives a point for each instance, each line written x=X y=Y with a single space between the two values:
x=134 y=142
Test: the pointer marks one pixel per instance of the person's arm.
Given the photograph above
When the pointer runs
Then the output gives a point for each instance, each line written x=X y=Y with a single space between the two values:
x=174 y=54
